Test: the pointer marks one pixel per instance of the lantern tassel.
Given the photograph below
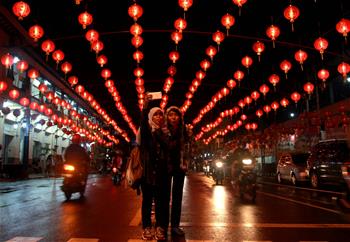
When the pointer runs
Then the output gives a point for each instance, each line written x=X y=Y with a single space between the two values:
x=301 y=66
x=273 y=44
x=292 y=27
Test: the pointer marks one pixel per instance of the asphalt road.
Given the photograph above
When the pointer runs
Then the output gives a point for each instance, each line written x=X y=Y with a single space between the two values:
x=36 y=210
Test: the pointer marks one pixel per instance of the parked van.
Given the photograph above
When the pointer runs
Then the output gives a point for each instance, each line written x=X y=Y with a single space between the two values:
x=292 y=167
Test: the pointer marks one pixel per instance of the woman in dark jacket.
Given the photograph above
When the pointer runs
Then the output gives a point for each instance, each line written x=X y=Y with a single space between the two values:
x=153 y=184
x=176 y=164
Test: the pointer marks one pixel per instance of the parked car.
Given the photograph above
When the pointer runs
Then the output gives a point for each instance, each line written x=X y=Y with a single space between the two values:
x=292 y=167
x=329 y=163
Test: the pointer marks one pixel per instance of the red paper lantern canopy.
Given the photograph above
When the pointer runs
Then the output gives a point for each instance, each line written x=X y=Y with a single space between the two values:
x=301 y=57
x=42 y=88
x=343 y=27
x=238 y=75
x=180 y=24
x=176 y=36
x=7 y=60
x=58 y=56
x=102 y=60
x=264 y=89
x=92 y=35
x=14 y=94
x=48 y=46
x=66 y=67
x=137 y=41
x=138 y=72
x=97 y=46
x=275 y=105
x=36 y=32
x=258 y=47
x=85 y=19
x=171 y=70
x=211 y=51
x=284 y=102
x=174 y=56
x=247 y=61
x=321 y=45
x=227 y=21
x=140 y=82
x=73 y=80
x=106 y=73
x=185 y=4
x=344 y=69
x=267 y=109
x=22 y=65
x=295 y=96
x=291 y=13
x=135 y=11
x=205 y=64
x=274 y=79
x=24 y=101
x=255 y=95
x=323 y=74
x=136 y=29
x=21 y=9
x=273 y=32
x=285 y=66
x=309 y=88
x=33 y=105
x=231 y=84
x=33 y=73
x=3 y=86
x=218 y=37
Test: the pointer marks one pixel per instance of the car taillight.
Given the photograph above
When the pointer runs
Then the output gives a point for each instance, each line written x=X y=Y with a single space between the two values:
x=68 y=167
x=344 y=170
x=114 y=169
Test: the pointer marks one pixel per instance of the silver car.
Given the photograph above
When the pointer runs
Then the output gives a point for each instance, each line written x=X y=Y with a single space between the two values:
x=292 y=167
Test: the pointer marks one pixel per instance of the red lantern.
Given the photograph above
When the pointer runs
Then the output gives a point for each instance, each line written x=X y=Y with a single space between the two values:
x=138 y=72
x=295 y=96
x=218 y=37
x=58 y=56
x=273 y=32
x=180 y=24
x=323 y=74
x=321 y=45
x=109 y=83
x=137 y=41
x=275 y=106
x=343 y=27
x=42 y=88
x=135 y=11
x=7 y=60
x=264 y=89
x=309 y=87
x=174 y=56
x=66 y=67
x=253 y=126
x=205 y=64
x=102 y=60
x=247 y=61
x=33 y=105
x=50 y=96
x=3 y=86
x=291 y=13
x=227 y=21
x=267 y=109
x=22 y=65
x=106 y=73
x=248 y=100
x=138 y=56
x=185 y=4
x=33 y=73
x=255 y=95
x=85 y=19
x=136 y=29
x=231 y=84
x=21 y=9
x=14 y=94
x=176 y=36
x=97 y=46
x=48 y=46
x=172 y=70
x=24 y=101
x=285 y=66
x=301 y=57
x=200 y=75
x=79 y=89
x=238 y=75
x=258 y=47
x=343 y=69
x=274 y=79
x=211 y=51
x=36 y=32
x=92 y=35
x=139 y=81
x=73 y=80
x=224 y=91
x=284 y=102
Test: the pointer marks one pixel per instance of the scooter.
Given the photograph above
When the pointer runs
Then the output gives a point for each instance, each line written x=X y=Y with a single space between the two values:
x=247 y=180
x=74 y=181
x=116 y=176
x=218 y=174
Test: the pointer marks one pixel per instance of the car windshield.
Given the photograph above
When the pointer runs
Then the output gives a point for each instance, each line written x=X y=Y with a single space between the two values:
x=300 y=158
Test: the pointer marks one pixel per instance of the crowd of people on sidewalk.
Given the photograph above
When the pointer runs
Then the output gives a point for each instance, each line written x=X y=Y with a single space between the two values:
x=161 y=139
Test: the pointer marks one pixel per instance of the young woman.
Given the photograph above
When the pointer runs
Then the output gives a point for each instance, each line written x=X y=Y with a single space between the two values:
x=176 y=165
x=153 y=185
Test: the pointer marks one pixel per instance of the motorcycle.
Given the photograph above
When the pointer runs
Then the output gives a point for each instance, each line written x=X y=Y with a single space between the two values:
x=247 y=180
x=116 y=176
x=74 y=181
x=218 y=174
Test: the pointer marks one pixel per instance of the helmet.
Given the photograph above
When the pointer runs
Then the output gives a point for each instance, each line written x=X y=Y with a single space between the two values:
x=76 y=139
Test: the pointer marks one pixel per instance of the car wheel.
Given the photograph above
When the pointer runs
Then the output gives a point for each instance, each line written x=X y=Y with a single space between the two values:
x=279 y=179
x=314 y=180
x=293 y=179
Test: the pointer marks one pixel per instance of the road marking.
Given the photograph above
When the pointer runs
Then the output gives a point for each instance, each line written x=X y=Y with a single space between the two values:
x=191 y=240
x=303 y=203
x=24 y=239
x=82 y=240
x=137 y=219
x=267 y=225
x=257 y=241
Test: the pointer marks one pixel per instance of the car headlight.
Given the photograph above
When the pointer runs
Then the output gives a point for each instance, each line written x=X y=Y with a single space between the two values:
x=219 y=164
x=247 y=161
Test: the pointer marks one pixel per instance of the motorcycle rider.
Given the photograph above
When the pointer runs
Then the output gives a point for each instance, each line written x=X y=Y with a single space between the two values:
x=76 y=155
x=239 y=153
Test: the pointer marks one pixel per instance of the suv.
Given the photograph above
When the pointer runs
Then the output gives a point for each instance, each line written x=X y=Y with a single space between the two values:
x=329 y=162
x=292 y=167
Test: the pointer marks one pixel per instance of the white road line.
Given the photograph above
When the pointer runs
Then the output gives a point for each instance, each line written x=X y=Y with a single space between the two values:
x=83 y=240
x=303 y=203
x=24 y=239
x=257 y=241
x=313 y=241
x=266 y=225
x=137 y=219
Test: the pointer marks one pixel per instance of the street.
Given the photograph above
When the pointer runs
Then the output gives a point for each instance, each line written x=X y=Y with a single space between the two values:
x=36 y=210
